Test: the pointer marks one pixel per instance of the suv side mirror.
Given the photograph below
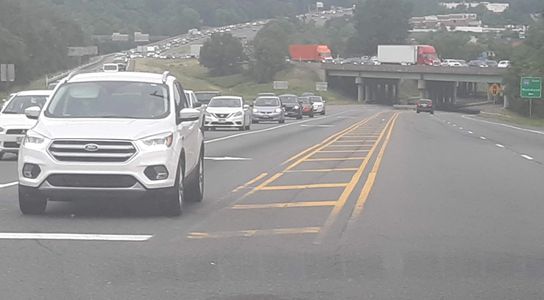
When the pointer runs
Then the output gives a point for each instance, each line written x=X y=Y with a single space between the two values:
x=188 y=115
x=197 y=104
x=33 y=112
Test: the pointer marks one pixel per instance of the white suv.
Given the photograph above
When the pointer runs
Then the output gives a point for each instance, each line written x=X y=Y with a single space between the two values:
x=113 y=135
x=14 y=123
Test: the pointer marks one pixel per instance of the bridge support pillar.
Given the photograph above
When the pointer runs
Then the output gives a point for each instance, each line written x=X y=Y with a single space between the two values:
x=422 y=87
x=454 y=92
x=360 y=89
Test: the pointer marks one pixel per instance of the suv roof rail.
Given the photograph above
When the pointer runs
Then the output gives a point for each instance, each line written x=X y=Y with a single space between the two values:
x=165 y=76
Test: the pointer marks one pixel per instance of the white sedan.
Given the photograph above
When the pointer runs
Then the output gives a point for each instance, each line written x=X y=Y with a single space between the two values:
x=227 y=112
x=13 y=121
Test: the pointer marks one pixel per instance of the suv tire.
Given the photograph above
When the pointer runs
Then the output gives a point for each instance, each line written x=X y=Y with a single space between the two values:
x=172 y=198
x=31 y=202
x=195 y=184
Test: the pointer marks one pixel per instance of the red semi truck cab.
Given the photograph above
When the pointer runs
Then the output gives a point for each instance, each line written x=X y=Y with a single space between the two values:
x=311 y=52
x=426 y=55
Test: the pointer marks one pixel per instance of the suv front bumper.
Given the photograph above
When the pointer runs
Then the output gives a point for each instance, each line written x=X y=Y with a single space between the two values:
x=61 y=178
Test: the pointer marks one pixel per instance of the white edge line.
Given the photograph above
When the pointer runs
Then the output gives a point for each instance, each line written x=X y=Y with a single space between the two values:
x=470 y=132
x=504 y=125
x=527 y=157
x=499 y=145
x=270 y=128
x=5 y=185
x=74 y=237
x=483 y=138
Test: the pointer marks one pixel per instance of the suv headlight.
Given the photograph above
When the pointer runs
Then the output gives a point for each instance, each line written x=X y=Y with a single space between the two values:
x=278 y=110
x=255 y=110
x=238 y=114
x=207 y=114
x=296 y=107
x=163 y=139
x=33 y=138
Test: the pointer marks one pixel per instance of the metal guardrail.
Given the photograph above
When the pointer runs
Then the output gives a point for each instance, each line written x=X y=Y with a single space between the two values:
x=53 y=78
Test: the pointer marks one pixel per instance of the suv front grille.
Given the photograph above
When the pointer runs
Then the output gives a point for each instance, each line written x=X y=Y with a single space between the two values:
x=16 y=131
x=91 y=181
x=13 y=145
x=92 y=151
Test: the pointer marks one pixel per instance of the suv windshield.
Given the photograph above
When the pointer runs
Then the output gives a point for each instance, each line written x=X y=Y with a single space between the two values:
x=289 y=99
x=267 y=102
x=110 y=99
x=225 y=102
x=18 y=104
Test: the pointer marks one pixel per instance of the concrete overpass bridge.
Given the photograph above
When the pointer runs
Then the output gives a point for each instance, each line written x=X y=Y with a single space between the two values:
x=441 y=84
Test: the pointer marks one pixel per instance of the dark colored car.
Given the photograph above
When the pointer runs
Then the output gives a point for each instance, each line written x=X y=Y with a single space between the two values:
x=204 y=97
x=292 y=107
x=477 y=63
x=425 y=105
x=307 y=106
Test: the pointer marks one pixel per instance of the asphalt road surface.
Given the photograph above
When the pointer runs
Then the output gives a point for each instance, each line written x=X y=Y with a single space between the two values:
x=363 y=203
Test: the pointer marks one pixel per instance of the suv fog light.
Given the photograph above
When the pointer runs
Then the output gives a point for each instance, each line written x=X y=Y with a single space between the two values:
x=31 y=171
x=156 y=172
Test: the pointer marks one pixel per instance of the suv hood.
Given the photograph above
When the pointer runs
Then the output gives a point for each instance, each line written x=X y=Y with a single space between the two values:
x=114 y=129
x=19 y=121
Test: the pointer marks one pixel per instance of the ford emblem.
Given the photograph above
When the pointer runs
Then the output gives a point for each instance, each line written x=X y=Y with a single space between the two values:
x=91 y=147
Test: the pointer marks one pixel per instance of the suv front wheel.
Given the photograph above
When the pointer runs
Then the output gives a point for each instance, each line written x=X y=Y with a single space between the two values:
x=172 y=199
x=195 y=182
x=31 y=202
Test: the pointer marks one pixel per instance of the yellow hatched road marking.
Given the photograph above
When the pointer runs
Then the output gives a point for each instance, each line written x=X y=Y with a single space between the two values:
x=253 y=233
x=285 y=205
x=296 y=163
x=359 y=206
x=360 y=136
x=332 y=137
x=323 y=170
x=334 y=159
x=349 y=188
x=348 y=146
x=343 y=151
x=302 y=186
x=252 y=181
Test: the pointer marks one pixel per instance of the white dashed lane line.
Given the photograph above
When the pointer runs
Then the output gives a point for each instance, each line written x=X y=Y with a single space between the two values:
x=525 y=156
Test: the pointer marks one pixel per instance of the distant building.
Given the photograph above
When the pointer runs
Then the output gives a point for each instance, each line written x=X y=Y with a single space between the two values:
x=494 y=7
x=441 y=21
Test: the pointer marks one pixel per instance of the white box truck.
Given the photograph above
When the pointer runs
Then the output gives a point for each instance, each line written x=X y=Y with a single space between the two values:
x=407 y=54
x=397 y=54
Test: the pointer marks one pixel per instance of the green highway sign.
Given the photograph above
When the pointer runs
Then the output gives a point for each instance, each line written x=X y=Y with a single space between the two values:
x=531 y=87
